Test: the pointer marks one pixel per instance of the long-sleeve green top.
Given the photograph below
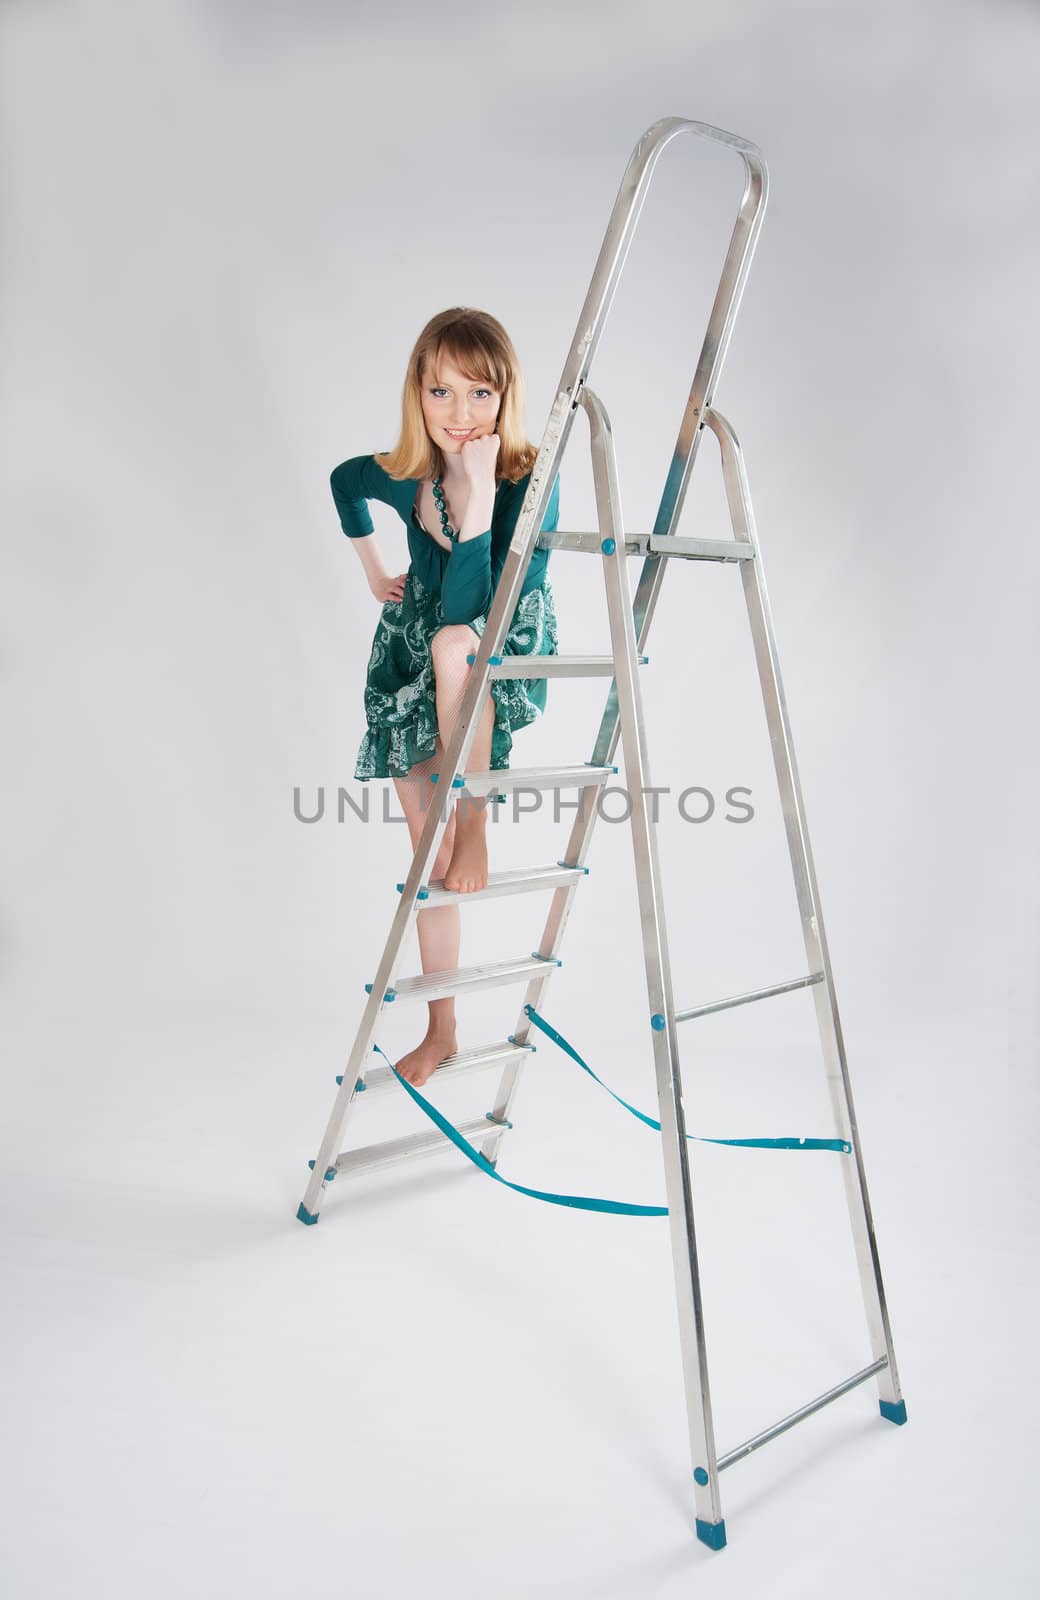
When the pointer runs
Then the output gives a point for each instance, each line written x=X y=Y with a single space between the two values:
x=466 y=576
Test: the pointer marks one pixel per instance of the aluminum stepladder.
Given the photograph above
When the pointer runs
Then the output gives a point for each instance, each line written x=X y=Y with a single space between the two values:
x=629 y=625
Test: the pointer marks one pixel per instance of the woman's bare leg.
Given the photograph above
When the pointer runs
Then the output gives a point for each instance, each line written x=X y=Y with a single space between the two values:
x=468 y=867
x=437 y=926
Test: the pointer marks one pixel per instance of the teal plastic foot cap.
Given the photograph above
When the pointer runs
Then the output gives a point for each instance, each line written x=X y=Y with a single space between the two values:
x=303 y=1215
x=713 y=1534
x=893 y=1410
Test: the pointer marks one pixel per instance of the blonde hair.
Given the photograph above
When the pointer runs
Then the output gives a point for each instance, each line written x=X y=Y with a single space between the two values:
x=478 y=345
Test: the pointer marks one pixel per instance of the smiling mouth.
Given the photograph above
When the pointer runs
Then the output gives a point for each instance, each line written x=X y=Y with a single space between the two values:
x=458 y=433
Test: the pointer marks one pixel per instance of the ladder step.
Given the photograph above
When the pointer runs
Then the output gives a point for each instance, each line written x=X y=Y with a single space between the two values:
x=658 y=544
x=465 y=980
x=666 y=544
x=553 y=666
x=387 y=1154
x=582 y=775
x=516 y=880
x=503 y=1054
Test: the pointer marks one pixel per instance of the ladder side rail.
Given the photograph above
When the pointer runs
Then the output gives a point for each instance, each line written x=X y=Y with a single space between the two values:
x=621 y=228
x=578 y=845
x=728 y=296
x=722 y=318
x=624 y=705
x=599 y=297
x=721 y=321
x=803 y=867
x=478 y=684
x=676 y=1150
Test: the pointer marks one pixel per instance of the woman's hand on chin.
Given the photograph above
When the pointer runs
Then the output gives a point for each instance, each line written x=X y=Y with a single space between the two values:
x=479 y=457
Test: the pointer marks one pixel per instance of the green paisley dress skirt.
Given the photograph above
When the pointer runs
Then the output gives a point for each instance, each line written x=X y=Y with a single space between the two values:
x=400 y=700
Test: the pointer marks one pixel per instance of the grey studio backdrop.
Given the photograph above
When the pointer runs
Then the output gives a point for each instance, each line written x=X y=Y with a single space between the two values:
x=225 y=225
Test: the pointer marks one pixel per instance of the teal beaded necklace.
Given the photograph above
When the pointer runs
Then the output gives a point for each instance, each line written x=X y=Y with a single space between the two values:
x=438 y=495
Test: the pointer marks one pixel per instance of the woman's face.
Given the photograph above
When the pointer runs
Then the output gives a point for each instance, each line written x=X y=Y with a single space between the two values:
x=457 y=408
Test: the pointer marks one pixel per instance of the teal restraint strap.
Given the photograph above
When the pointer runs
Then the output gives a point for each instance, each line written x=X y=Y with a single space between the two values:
x=586 y=1202
x=582 y=1202
x=651 y=1122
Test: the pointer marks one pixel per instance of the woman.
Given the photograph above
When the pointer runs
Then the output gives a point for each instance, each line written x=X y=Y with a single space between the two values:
x=457 y=478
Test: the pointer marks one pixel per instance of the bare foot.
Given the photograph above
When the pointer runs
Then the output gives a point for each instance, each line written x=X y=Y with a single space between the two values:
x=420 y=1063
x=468 y=868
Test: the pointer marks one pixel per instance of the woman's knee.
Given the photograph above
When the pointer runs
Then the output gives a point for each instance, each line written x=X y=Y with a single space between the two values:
x=451 y=644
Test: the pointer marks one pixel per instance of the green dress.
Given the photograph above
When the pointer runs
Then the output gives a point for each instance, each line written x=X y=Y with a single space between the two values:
x=443 y=587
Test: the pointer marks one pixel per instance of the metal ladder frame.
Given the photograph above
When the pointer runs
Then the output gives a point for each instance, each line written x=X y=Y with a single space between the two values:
x=623 y=717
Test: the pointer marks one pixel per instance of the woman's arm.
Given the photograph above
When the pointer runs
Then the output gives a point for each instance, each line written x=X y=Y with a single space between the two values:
x=480 y=508
x=475 y=565
x=539 y=558
x=353 y=484
x=372 y=561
